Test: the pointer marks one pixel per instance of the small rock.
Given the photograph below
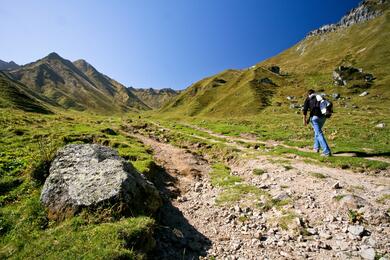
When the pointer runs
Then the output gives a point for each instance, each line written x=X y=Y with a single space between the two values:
x=235 y=245
x=312 y=231
x=325 y=235
x=365 y=93
x=265 y=176
x=257 y=235
x=198 y=187
x=356 y=230
x=380 y=125
x=237 y=209
x=336 y=186
x=281 y=196
x=336 y=95
x=367 y=253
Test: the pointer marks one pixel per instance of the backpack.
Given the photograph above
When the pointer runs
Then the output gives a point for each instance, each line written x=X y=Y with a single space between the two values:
x=325 y=106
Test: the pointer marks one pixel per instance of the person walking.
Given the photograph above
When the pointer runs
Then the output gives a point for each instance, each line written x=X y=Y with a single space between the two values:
x=317 y=120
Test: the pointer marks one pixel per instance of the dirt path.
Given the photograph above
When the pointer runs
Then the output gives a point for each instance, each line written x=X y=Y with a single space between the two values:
x=311 y=220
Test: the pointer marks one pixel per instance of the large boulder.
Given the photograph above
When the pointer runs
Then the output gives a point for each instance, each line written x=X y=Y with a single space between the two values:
x=94 y=177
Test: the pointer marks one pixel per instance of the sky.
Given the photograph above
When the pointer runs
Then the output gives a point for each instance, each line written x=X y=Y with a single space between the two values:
x=160 y=43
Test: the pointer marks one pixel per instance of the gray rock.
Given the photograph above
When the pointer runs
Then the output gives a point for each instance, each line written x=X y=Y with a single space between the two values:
x=336 y=186
x=352 y=202
x=365 y=93
x=281 y=196
x=312 y=231
x=380 y=125
x=275 y=69
x=356 y=230
x=367 y=253
x=336 y=95
x=94 y=176
x=364 y=12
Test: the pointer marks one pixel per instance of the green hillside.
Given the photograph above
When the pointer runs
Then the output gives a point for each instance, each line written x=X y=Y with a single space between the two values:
x=15 y=95
x=308 y=64
x=76 y=88
x=154 y=98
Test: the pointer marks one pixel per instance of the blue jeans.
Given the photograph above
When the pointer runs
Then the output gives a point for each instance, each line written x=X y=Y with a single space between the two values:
x=319 y=138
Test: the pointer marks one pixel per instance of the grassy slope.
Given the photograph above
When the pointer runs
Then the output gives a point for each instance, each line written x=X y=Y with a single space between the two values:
x=64 y=83
x=230 y=93
x=233 y=109
x=155 y=98
x=14 y=94
x=27 y=142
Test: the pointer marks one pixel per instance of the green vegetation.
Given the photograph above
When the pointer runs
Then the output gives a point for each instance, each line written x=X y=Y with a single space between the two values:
x=338 y=197
x=355 y=216
x=250 y=106
x=286 y=220
x=259 y=171
x=384 y=198
x=318 y=175
x=28 y=144
x=233 y=190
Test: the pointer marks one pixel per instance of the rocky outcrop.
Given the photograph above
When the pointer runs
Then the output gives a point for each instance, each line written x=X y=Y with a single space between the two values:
x=343 y=75
x=95 y=177
x=367 y=10
x=274 y=69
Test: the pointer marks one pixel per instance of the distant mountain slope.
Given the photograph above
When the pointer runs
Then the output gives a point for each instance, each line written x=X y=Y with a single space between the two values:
x=86 y=89
x=361 y=41
x=230 y=93
x=16 y=95
x=8 y=65
x=155 y=98
x=110 y=86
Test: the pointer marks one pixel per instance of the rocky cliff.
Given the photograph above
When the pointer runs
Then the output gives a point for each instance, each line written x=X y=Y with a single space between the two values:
x=367 y=10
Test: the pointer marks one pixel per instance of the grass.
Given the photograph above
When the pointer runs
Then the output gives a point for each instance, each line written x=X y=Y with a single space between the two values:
x=383 y=199
x=27 y=145
x=258 y=172
x=338 y=197
x=286 y=219
x=233 y=190
x=318 y=175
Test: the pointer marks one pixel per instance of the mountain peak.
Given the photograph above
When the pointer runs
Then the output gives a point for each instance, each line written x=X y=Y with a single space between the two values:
x=53 y=56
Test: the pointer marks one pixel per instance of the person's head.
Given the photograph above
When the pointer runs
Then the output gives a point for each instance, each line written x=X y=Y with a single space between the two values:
x=310 y=91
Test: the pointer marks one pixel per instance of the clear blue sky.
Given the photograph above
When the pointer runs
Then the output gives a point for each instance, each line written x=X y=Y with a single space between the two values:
x=160 y=43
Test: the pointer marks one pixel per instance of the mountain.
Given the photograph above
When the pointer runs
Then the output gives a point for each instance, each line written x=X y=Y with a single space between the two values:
x=8 y=65
x=110 y=86
x=359 y=44
x=154 y=98
x=16 y=95
x=76 y=85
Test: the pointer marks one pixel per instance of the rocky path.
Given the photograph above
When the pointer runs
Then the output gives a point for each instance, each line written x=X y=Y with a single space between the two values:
x=318 y=212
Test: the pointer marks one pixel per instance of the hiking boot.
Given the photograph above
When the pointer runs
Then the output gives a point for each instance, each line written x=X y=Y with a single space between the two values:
x=316 y=150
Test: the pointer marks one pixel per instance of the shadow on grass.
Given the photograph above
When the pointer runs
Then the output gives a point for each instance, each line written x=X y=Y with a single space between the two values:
x=175 y=237
x=361 y=154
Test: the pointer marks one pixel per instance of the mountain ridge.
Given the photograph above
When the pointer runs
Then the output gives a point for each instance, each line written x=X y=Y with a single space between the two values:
x=62 y=81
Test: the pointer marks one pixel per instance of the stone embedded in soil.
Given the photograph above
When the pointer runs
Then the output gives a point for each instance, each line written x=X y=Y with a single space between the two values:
x=367 y=253
x=356 y=230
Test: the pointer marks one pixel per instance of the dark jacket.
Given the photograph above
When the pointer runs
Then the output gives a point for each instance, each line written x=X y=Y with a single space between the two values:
x=311 y=104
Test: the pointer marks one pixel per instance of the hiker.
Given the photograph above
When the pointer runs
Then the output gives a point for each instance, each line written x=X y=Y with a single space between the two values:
x=317 y=120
